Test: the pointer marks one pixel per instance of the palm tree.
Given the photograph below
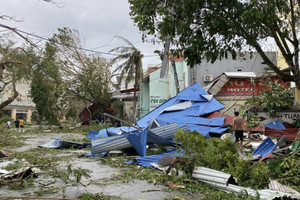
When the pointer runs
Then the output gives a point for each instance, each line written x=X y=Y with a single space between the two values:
x=131 y=68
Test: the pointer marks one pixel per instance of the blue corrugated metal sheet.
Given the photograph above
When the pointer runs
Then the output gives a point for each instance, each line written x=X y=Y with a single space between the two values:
x=218 y=121
x=153 y=138
x=276 y=125
x=111 y=131
x=147 y=160
x=138 y=141
x=184 y=110
x=264 y=148
x=97 y=134
x=121 y=142
x=200 y=105
x=218 y=130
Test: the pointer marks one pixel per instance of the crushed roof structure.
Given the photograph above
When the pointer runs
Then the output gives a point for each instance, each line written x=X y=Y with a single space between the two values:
x=186 y=110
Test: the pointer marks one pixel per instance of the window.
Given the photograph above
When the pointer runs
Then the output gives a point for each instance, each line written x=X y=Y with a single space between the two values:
x=239 y=69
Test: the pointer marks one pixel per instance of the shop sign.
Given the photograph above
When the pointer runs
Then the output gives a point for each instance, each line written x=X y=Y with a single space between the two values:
x=157 y=100
x=246 y=87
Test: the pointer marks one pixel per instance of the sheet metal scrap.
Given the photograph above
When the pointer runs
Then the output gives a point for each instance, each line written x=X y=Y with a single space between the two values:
x=186 y=110
x=275 y=185
x=205 y=174
x=223 y=181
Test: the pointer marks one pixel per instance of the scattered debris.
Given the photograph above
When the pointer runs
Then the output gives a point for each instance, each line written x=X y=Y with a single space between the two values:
x=212 y=176
x=275 y=185
x=225 y=182
x=3 y=154
x=63 y=144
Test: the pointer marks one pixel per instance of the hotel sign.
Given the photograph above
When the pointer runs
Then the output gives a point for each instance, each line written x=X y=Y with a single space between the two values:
x=245 y=87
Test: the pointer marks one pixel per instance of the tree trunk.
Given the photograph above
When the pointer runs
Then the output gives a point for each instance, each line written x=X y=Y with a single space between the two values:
x=10 y=99
x=175 y=75
x=134 y=94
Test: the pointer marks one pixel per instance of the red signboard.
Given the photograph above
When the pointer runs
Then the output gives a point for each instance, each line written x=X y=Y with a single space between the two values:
x=247 y=87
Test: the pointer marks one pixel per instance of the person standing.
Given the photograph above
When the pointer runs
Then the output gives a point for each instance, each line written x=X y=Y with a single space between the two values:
x=21 y=123
x=17 y=123
x=237 y=127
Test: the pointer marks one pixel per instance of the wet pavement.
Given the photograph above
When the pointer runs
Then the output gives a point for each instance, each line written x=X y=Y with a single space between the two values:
x=101 y=180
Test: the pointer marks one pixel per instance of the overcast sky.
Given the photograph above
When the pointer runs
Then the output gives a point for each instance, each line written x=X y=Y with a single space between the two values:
x=97 y=21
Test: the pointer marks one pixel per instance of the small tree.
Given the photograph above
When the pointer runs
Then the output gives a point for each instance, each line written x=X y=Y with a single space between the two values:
x=274 y=99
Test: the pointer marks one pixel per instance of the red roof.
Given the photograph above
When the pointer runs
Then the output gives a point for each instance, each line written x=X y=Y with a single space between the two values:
x=228 y=121
x=289 y=133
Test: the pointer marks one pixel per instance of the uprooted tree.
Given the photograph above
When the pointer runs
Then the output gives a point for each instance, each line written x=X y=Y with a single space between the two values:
x=215 y=29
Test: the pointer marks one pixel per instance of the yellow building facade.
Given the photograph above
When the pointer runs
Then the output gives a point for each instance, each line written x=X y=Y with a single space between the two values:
x=22 y=106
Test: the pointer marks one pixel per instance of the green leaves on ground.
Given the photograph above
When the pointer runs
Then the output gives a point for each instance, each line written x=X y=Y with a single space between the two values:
x=221 y=155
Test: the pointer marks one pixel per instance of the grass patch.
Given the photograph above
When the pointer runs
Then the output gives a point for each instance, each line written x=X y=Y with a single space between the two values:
x=98 y=196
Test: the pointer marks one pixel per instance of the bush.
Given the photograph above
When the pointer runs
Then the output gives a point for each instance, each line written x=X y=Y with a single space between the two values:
x=4 y=119
x=220 y=155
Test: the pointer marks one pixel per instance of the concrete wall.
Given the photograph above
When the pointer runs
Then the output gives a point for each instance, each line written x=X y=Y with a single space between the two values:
x=246 y=64
x=144 y=98
x=155 y=90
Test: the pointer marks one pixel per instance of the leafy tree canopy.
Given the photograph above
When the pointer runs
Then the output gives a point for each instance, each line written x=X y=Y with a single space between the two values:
x=15 y=66
x=87 y=76
x=131 y=67
x=215 y=29
x=46 y=86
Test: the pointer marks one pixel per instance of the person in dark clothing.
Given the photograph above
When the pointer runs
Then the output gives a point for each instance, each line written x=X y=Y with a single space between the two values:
x=17 y=123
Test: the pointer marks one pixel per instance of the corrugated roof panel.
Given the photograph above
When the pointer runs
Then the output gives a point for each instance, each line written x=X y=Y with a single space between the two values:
x=52 y=144
x=192 y=98
x=204 y=130
x=64 y=144
x=120 y=142
x=275 y=185
x=179 y=106
x=218 y=130
x=167 y=131
x=147 y=160
x=192 y=92
x=264 y=148
x=147 y=119
x=263 y=194
x=138 y=141
x=153 y=138
x=206 y=174
x=97 y=134
x=109 y=144
x=217 y=121
x=289 y=133
x=183 y=119
x=276 y=125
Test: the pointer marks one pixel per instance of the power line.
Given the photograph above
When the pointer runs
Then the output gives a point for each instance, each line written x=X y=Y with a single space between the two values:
x=115 y=34
x=46 y=39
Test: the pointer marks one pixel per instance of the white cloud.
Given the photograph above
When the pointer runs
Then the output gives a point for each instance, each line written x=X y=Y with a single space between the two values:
x=97 y=21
